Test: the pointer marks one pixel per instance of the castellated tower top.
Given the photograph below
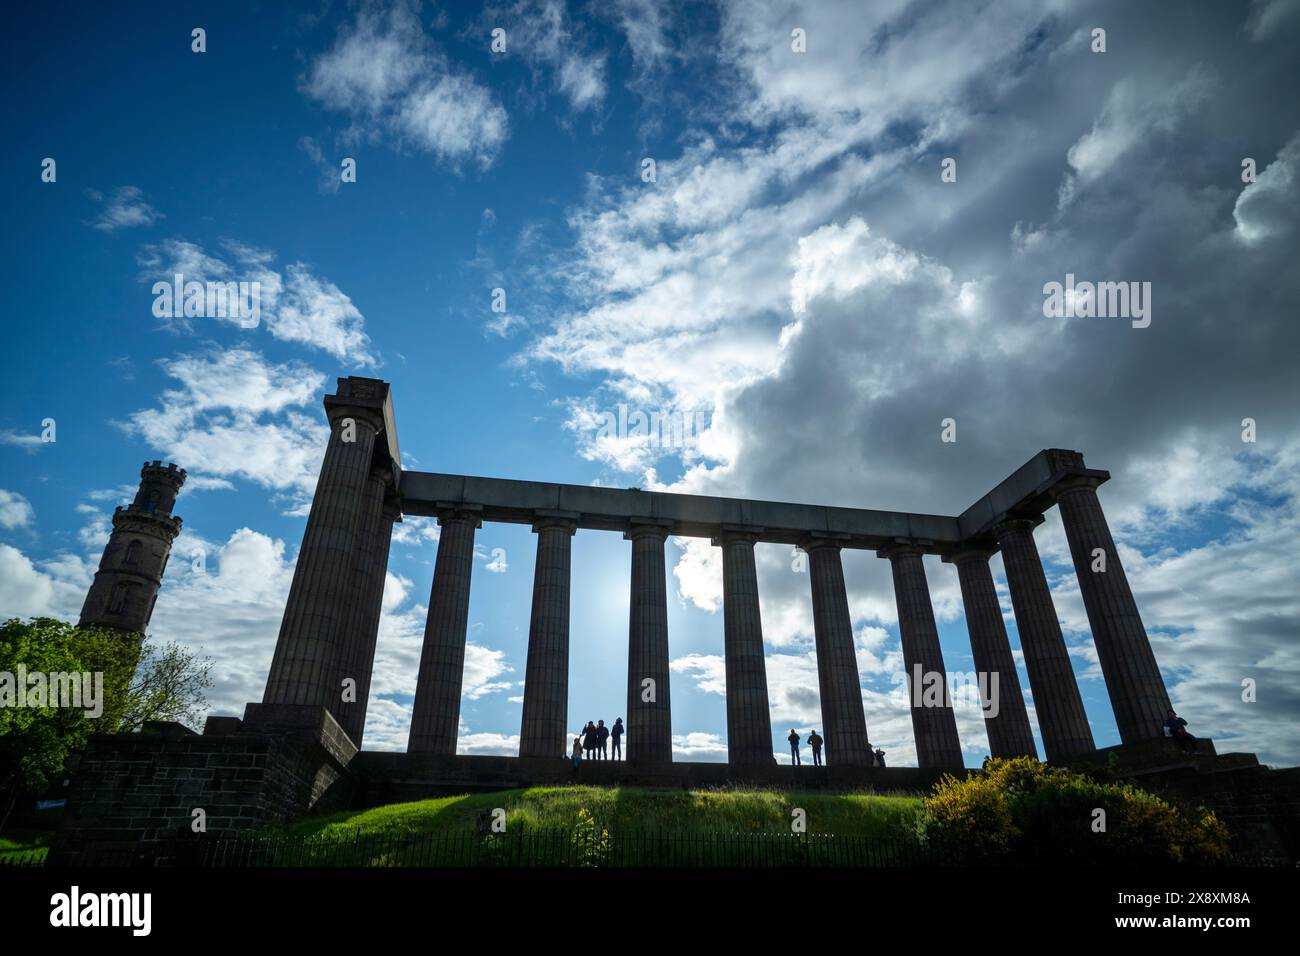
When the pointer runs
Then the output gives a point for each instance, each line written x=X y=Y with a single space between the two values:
x=159 y=486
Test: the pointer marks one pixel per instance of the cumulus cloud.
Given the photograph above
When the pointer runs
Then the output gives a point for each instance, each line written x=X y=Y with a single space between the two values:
x=235 y=415
x=385 y=72
x=297 y=305
x=15 y=510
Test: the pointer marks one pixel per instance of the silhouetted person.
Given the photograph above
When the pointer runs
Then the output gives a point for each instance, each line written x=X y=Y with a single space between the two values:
x=1177 y=728
x=794 y=747
x=815 y=742
x=602 y=735
x=590 y=739
x=577 y=753
x=617 y=735
x=880 y=757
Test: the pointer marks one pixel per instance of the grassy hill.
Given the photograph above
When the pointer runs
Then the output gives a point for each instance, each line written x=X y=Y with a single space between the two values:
x=630 y=808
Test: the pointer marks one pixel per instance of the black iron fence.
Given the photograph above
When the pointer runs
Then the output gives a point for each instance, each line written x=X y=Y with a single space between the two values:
x=516 y=848
x=581 y=847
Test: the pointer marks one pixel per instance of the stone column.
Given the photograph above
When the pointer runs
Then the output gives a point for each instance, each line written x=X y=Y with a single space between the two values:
x=309 y=653
x=1137 y=691
x=1061 y=717
x=1009 y=731
x=844 y=724
x=749 y=720
x=370 y=568
x=649 y=722
x=436 y=716
x=934 y=725
x=543 y=731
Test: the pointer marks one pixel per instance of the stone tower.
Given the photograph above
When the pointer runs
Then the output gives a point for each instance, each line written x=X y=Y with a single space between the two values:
x=131 y=570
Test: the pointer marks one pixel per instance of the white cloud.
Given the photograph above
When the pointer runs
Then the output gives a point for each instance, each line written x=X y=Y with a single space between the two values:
x=385 y=72
x=15 y=510
x=235 y=415
x=699 y=746
x=296 y=306
x=124 y=209
x=1268 y=208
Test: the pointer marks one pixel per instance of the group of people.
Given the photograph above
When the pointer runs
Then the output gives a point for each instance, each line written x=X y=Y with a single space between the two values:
x=594 y=741
x=595 y=737
x=815 y=742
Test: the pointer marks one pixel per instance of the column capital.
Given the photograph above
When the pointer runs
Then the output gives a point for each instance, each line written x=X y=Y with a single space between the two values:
x=1074 y=483
x=564 y=520
x=736 y=533
x=1016 y=523
x=820 y=540
x=644 y=527
x=337 y=408
x=446 y=511
x=970 y=553
x=902 y=547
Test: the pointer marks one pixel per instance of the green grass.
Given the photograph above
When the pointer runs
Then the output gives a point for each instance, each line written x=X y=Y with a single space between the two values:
x=620 y=809
x=21 y=843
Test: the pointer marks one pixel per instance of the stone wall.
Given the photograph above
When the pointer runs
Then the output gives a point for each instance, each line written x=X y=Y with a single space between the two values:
x=133 y=796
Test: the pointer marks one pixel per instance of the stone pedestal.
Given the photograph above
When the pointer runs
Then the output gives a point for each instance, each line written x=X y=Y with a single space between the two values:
x=1061 y=718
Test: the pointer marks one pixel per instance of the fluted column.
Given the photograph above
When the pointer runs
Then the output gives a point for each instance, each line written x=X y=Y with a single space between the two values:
x=1133 y=680
x=546 y=681
x=1061 y=718
x=369 y=570
x=436 y=715
x=649 y=721
x=1009 y=732
x=934 y=725
x=749 y=721
x=844 y=722
x=311 y=647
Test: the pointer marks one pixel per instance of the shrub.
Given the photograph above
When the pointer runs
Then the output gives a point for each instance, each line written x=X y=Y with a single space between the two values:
x=1020 y=810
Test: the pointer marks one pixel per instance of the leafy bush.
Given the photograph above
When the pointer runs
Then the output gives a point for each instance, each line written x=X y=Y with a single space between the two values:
x=1020 y=810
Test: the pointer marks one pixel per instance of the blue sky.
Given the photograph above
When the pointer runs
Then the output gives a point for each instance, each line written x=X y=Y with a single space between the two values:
x=781 y=178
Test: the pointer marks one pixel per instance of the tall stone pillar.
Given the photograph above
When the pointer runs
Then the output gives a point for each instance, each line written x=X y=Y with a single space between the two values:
x=1009 y=732
x=749 y=720
x=934 y=724
x=543 y=731
x=1061 y=717
x=369 y=572
x=1137 y=691
x=844 y=722
x=649 y=722
x=312 y=647
x=436 y=715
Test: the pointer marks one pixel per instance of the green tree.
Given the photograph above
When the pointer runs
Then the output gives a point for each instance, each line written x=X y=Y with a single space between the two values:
x=139 y=683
